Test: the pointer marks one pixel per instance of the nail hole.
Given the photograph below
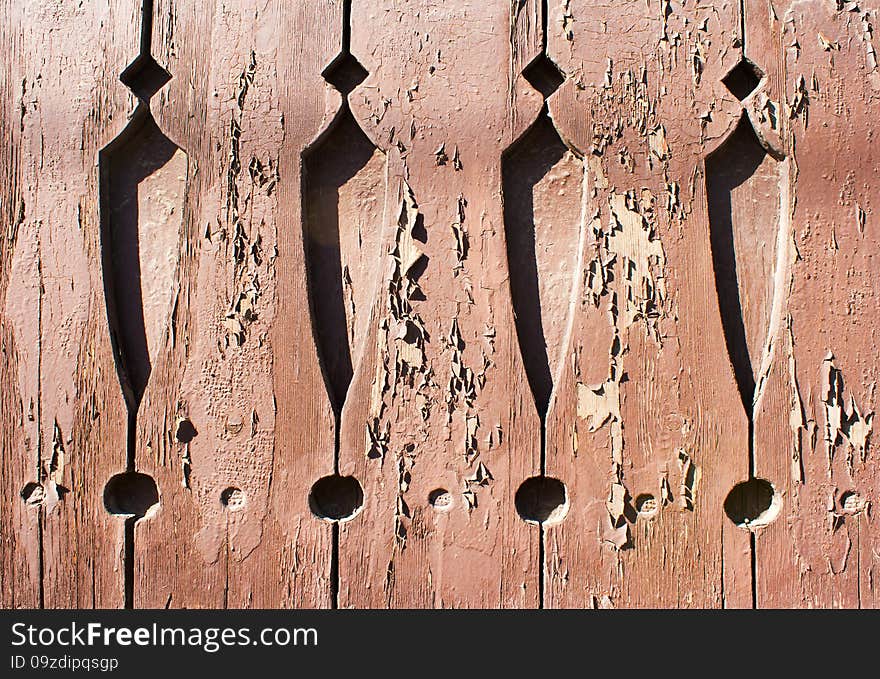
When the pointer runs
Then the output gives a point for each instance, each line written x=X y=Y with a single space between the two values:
x=33 y=494
x=440 y=499
x=336 y=498
x=753 y=504
x=232 y=498
x=851 y=502
x=131 y=494
x=186 y=432
x=542 y=499
x=646 y=505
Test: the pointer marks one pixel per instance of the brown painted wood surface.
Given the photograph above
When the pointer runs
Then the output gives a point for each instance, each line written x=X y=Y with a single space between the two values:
x=463 y=304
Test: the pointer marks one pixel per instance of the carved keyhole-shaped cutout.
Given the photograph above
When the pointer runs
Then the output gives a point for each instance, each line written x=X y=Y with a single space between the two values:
x=344 y=185
x=336 y=498
x=343 y=190
x=743 y=187
x=743 y=79
x=753 y=504
x=143 y=192
x=542 y=203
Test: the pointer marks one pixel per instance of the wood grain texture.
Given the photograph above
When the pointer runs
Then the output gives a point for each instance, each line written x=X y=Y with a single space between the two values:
x=63 y=394
x=235 y=527
x=640 y=430
x=821 y=552
x=440 y=400
x=394 y=303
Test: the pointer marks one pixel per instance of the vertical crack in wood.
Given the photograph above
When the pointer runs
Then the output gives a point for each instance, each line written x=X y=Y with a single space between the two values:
x=143 y=178
x=343 y=184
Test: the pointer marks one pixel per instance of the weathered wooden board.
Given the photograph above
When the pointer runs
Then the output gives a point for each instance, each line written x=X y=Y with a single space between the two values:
x=822 y=551
x=418 y=304
x=64 y=419
x=642 y=430
x=236 y=424
x=439 y=423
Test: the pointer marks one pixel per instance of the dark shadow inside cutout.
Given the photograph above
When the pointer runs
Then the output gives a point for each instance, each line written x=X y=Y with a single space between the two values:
x=543 y=75
x=742 y=79
x=751 y=502
x=336 y=498
x=541 y=500
x=340 y=155
x=131 y=494
x=730 y=166
x=139 y=152
x=527 y=163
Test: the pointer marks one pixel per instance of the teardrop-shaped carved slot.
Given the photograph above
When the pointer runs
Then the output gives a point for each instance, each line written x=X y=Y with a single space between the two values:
x=143 y=190
x=343 y=187
x=542 y=206
x=743 y=187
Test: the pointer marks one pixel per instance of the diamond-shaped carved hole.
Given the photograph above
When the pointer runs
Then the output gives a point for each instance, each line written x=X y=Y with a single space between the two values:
x=345 y=73
x=144 y=77
x=743 y=79
x=543 y=75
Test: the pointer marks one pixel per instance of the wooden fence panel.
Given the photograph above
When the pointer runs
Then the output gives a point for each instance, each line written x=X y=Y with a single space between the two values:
x=822 y=550
x=396 y=303
x=236 y=424
x=64 y=419
x=439 y=423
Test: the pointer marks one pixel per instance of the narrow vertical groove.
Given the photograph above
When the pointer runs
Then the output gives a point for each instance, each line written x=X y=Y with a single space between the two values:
x=41 y=514
x=542 y=534
x=334 y=568
x=334 y=560
x=542 y=549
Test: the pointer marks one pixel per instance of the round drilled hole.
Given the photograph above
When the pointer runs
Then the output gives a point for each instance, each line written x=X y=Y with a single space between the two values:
x=33 y=493
x=646 y=505
x=753 y=504
x=440 y=499
x=131 y=494
x=336 y=498
x=232 y=498
x=185 y=431
x=542 y=499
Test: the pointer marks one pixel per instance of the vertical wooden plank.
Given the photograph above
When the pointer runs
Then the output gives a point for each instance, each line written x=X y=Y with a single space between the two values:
x=440 y=424
x=815 y=434
x=641 y=430
x=68 y=411
x=236 y=425
x=19 y=523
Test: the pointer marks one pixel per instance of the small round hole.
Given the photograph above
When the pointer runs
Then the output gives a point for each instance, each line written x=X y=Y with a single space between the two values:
x=753 y=504
x=647 y=505
x=33 y=494
x=336 y=498
x=232 y=498
x=542 y=500
x=186 y=431
x=440 y=499
x=131 y=494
